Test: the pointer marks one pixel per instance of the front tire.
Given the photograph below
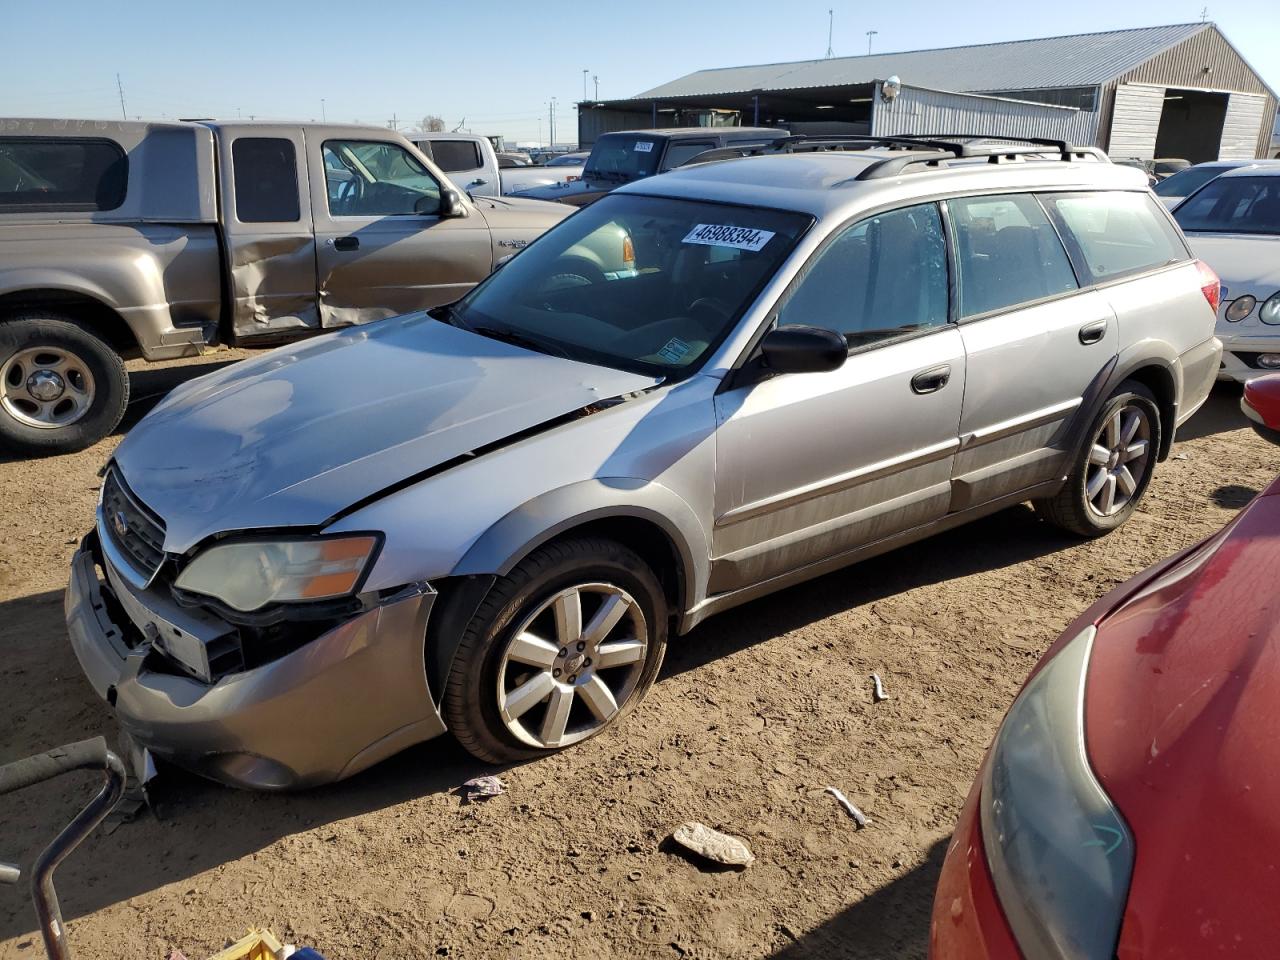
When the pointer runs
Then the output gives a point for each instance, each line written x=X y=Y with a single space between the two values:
x=1115 y=467
x=561 y=649
x=61 y=388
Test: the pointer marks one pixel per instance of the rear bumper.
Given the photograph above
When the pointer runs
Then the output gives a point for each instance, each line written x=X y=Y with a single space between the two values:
x=331 y=708
x=1200 y=366
x=968 y=923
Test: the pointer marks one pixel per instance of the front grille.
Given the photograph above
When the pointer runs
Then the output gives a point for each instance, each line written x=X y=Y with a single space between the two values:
x=134 y=530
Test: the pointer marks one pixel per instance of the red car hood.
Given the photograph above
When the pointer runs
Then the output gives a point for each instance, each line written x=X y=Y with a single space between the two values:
x=1182 y=723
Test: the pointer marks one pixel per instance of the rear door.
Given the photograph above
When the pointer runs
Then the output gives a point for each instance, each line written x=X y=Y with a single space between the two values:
x=809 y=466
x=1034 y=344
x=463 y=161
x=266 y=220
x=382 y=247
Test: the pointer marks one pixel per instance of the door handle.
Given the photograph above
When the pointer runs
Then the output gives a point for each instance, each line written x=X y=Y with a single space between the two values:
x=1093 y=332
x=931 y=380
x=346 y=243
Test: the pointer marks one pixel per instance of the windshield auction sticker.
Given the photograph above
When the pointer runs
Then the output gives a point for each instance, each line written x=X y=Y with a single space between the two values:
x=644 y=146
x=715 y=235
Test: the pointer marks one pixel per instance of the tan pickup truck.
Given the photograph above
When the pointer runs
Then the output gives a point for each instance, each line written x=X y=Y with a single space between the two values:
x=122 y=239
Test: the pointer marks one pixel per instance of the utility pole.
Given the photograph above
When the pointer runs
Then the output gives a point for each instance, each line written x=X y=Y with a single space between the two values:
x=323 y=118
x=120 y=88
x=553 y=122
x=584 y=83
x=596 y=81
x=394 y=122
x=870 y=34
x=1204 y=14
x=831 y=21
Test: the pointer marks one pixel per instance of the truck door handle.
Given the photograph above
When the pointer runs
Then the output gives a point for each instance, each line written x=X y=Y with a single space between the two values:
x=931 y=380
x=1093 y=332
x=478 y=182
x=346 y=243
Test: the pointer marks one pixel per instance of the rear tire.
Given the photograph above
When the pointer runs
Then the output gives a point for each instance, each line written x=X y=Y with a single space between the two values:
x=531 y=677
x=1113 y=469
x=61 y=387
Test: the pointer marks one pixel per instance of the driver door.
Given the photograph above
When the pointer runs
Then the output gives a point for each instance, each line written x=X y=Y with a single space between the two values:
x=382 y=248
x=810 y=466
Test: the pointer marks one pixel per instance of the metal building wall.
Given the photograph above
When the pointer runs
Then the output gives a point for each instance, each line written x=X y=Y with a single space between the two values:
x=1240 y=127
x=597 y=120
x=919 y=111
x=1135 y=120
x=1205 y=61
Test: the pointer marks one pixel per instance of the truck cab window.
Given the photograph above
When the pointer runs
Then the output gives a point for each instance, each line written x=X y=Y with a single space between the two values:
x=372 y=178
x=266 y=180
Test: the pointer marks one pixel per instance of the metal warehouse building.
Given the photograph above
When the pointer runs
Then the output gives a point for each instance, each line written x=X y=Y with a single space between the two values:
x=1173 y=91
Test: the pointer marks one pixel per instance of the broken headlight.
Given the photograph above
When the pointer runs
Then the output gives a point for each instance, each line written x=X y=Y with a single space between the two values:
x=249 y=574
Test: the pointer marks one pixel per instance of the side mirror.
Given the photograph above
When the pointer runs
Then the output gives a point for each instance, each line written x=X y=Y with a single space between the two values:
x=451 y=205
x=796 y=348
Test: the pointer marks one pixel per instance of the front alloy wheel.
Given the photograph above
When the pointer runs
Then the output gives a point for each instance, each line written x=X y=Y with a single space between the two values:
x=560 y=649
x=570 y=663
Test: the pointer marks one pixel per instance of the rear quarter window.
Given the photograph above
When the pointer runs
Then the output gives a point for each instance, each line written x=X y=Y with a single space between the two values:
x=1114 y=234
x=452 y=156
x=49 y=174
x=266 y=180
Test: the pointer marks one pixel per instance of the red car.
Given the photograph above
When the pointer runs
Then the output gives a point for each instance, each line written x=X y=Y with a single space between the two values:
x=1129 y=806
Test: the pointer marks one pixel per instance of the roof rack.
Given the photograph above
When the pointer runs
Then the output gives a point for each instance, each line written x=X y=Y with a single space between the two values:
x=933 y=150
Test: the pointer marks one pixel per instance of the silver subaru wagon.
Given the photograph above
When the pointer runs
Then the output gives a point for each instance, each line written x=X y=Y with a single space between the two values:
x=489 y=517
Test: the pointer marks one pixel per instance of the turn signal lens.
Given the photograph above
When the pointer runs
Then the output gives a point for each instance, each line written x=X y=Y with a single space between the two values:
x=1240 y=308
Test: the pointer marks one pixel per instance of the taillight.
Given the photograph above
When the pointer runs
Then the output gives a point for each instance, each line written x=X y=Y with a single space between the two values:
x=1210 y=285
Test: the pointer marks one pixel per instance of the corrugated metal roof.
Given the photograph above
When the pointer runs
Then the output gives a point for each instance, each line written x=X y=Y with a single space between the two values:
x=1080 y=60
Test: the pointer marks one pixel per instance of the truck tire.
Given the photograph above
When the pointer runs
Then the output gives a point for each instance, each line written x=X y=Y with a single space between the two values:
x=61 y=387
x=1113 y=470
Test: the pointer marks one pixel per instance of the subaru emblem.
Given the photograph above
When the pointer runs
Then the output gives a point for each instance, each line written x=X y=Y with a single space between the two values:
x=120 y=524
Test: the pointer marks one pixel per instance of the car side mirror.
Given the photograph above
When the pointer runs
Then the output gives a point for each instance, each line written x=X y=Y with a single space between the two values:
x=796 y=348
x=451 y=205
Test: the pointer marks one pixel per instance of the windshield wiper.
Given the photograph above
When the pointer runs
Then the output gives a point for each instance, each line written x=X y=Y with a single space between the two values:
x=515 y=338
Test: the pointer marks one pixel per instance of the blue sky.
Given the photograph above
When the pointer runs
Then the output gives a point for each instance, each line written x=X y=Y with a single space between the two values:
x=496 y=64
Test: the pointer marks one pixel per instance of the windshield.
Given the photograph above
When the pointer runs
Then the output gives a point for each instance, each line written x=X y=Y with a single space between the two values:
x=645 y=284
x=1233 y=205
x=623 y=156
x=1187 y=182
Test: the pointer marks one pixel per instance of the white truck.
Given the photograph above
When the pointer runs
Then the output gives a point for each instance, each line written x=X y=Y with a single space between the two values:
x=472 y=164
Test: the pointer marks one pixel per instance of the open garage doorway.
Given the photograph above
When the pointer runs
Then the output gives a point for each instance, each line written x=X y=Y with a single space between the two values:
x=1191 y=124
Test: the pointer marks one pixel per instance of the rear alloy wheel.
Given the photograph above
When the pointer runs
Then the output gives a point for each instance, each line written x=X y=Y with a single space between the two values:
x=1115 y=467
x=562 y=648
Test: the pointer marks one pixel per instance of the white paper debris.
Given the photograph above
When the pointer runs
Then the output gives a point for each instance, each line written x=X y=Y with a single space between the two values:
x=859 y=817
x=714 y=845
x=877 y=692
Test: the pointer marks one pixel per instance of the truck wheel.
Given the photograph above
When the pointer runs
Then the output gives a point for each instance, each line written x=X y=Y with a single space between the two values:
x=1112 y=472
x=61 y=388
x=561 y=649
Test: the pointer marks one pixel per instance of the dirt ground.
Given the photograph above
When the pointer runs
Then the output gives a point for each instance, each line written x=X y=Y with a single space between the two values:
x=756 y=712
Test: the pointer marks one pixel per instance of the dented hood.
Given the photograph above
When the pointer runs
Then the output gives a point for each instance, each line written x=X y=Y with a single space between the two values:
x=293 y=437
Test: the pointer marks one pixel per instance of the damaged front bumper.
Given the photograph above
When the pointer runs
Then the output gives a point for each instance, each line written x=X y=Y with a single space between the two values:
x=354 y=695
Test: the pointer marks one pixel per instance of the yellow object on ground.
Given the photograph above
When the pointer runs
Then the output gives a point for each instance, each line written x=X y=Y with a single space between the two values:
x=258 y=945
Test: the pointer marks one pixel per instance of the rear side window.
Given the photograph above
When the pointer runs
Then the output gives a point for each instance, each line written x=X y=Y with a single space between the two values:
x=1008 y=253
x=1116 y=233
x=679 y=151
x=61 y=173
x=266 y=180
x=454 y=155
x=880 y=279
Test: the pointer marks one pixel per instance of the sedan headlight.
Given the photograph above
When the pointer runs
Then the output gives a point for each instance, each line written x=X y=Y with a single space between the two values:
x=248 y=575
x=1270 y=312
x=1240 y=308
x=1060 y=855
